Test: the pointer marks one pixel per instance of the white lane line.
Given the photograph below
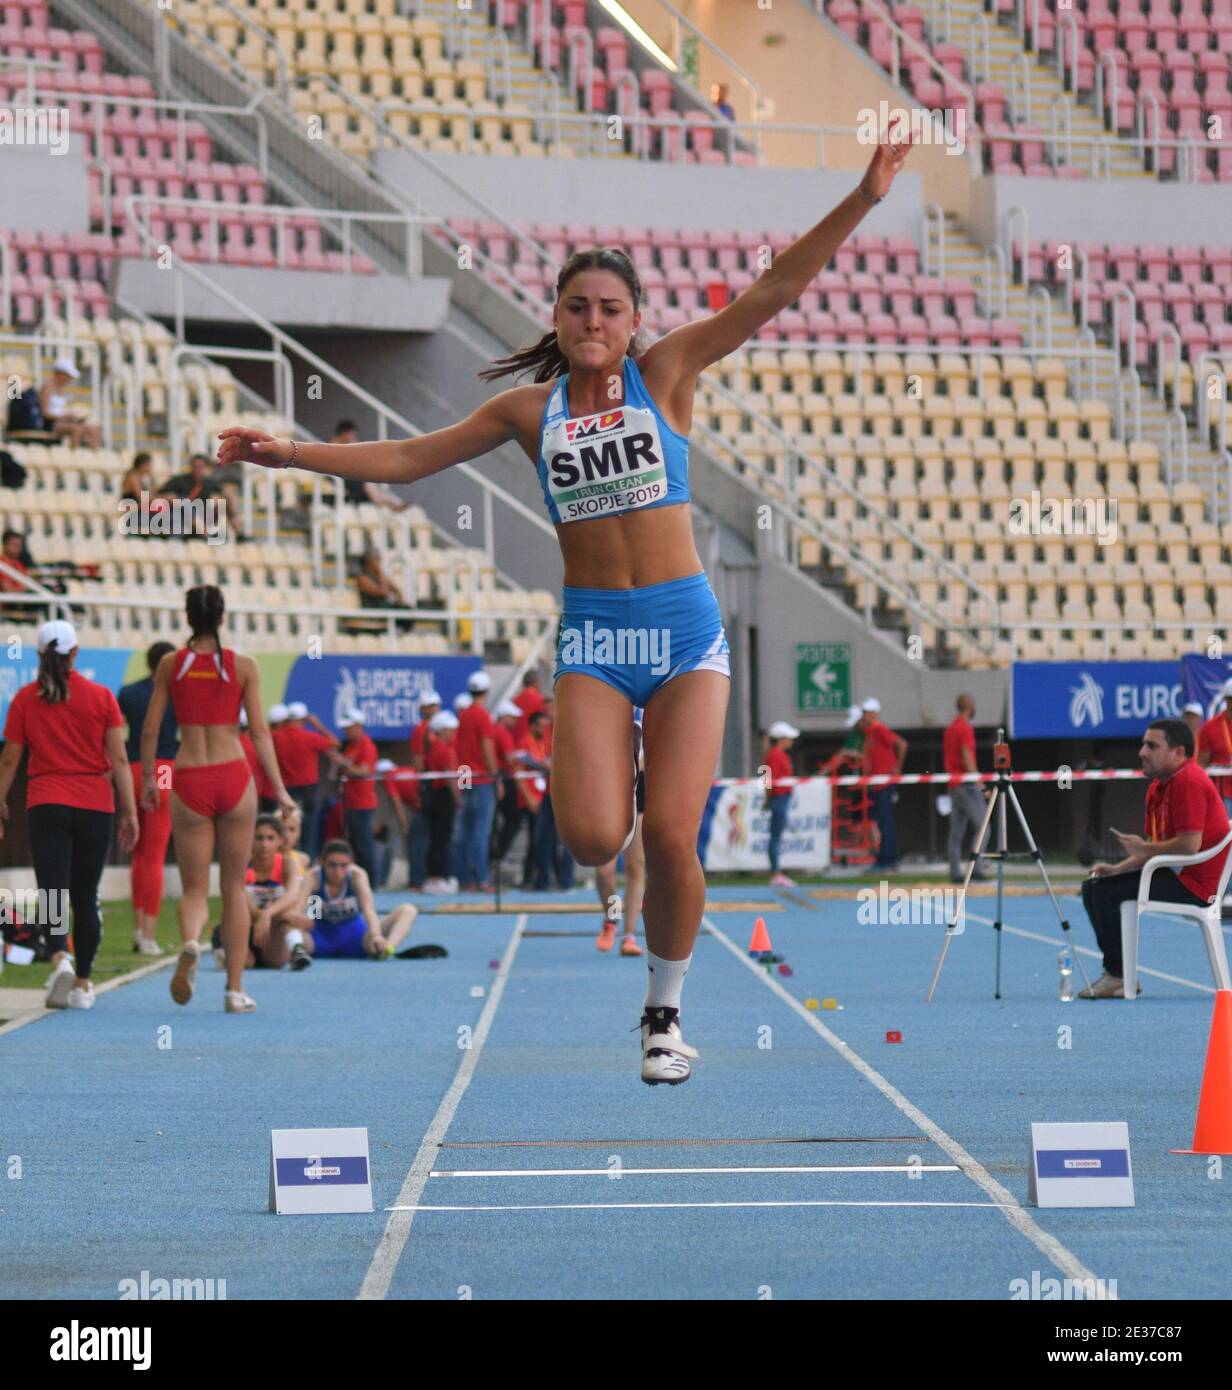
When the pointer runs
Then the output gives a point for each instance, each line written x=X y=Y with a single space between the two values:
x=632 y=1172
x=690 y=1206
x=1091 y=951
x=1021 y=1220
x=398 y=1227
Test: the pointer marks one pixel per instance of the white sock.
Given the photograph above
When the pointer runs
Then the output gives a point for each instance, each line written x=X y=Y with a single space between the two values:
x=294 y=938
x=666 y=981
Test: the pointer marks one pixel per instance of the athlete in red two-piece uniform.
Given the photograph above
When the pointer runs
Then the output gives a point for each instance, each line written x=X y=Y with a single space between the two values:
x=212 y=793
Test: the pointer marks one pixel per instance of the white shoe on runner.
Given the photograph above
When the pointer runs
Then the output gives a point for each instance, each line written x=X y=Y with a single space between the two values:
x=235 y=1001
x=60 y=985
x=665 y=1054
x=81 y=998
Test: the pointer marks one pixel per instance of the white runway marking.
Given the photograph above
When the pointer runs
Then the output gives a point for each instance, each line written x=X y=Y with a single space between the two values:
x=398 y=1227
x=1090 y=951
x=692 y=1206
x=1065 y=1260
x=633 y=1172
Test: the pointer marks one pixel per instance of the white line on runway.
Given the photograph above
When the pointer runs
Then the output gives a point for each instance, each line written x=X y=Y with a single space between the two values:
x=398 y=1227
x=1090 y=951
x=631 y=1172
x=1065 y=1260
x=690 y=1206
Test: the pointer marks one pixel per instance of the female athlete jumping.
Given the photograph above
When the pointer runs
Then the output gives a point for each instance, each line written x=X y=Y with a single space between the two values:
x=606 y=424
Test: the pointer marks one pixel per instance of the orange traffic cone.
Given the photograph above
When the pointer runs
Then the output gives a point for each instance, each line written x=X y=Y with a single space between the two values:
x=1213 y=1130
x=760 y=940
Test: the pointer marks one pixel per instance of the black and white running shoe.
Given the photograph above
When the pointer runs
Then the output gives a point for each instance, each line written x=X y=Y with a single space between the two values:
x=300 y=959
x=665 y=1054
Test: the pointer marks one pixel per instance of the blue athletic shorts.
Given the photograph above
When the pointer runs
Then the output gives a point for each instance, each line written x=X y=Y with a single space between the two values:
x=638 y=639
x=340 y=940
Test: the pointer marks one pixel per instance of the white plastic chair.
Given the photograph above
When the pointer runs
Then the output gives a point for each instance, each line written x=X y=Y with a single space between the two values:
x=1208 y=917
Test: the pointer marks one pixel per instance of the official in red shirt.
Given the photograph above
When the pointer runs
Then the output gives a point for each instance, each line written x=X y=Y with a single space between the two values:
x=509 y=810
x=778 y=794
x=967 y=804
x=529 y=700
x=441 y=798
x=477 y=751
x=1214 y=748
x=1184 y=815
x=75 y=733
x=420 y=832
x=884 y=751
x=299 y=743
x=358 y=761
x=266 y=802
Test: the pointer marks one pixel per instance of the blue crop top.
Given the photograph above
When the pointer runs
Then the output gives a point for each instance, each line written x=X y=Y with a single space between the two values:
x=619 y=460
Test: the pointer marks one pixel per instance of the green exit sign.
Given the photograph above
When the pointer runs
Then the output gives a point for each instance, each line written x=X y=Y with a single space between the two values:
x=823 y=677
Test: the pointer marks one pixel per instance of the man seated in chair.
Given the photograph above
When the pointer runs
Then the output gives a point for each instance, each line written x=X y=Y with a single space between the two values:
x=1184 y=815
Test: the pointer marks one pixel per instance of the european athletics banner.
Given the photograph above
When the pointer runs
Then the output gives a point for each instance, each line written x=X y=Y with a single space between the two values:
x=1203 y=678
x=1092 y=699
x=735 y=828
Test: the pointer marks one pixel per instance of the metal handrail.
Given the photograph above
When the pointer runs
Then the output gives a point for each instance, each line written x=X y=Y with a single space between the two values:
x=1203 y=377
x=1021 y=21
x=1107 y=58
x=1061 y=142
x=1122 y=290
x=936 y=268
x=1016 y=210
x=264 y=35
x=280 y=212
x=104 y=169
x=1066 y=23
x=979 y=42
x=44 y=344
x=1037 y=294
x=1079 y=254
x=33 y=592
x=1020 y=107
x=1146 y=98
x=588 y=46
x=680 y=19
x=1167 y=333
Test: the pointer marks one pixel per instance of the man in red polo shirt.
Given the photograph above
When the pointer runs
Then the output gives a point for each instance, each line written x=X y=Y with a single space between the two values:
x=778 y=795
x=1214 y=746
x=1184 y=815
x=884 y=751
x=476 y=750
x=298 y=749
x=967 y=805
x=358 y=761
x=529 y=700
x=420 y=833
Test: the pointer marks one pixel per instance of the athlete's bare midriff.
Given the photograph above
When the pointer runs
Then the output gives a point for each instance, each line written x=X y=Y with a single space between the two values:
x=639 y=548
x=203 y=745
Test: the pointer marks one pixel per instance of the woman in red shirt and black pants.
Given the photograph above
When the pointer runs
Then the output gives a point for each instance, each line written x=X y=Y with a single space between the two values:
x=75 y=733
x=212 y=793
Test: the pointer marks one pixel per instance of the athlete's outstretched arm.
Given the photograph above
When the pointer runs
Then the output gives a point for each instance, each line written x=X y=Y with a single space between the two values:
x=692 y=347
x=388 y=461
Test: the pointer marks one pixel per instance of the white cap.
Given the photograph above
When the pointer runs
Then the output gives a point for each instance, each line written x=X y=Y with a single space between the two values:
x=1227 y=688
x=429 y=697
x=352 y=716
x=446 y=719
x=463 y=701
x=277 y=714
x=385 y=764
x=297 y=710
x=782 y=729
x=872 y=705
x=243 y=717
x=60 y=636
x=507 y=707
x=1193 y=707
x=67 y=366
x=853 y=717
x=478 y=682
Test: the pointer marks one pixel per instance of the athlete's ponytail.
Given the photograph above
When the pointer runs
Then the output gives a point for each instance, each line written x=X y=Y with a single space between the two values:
x=53 y=673
x=204 y=607
x=545 y=356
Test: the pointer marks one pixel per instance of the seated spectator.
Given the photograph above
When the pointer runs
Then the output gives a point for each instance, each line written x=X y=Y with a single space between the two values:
x=377 y=590
x=138 y=479
x=347 y=432
x=16 y=557
x=718 y=99
x=57 y=417
x=1184 y=815
x=197 y=485
x=275 y=901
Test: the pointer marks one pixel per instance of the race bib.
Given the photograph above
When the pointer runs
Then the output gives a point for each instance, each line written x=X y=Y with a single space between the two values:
x=599 y=465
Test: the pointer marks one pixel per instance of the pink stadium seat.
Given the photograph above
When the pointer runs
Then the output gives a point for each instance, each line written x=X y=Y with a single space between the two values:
x=898 y=290
x=874 y=252
x=975 y=331
x=1006 y=333
x=906 y=256
x=1156 y=262
x=931 y=296
x=991 y=100
x=1179 y=300
x=961 y=294
x=845 y=14
x=882 y=328
x=913 y=330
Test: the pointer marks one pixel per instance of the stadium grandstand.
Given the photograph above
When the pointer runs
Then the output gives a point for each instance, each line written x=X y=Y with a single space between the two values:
x=983 y=455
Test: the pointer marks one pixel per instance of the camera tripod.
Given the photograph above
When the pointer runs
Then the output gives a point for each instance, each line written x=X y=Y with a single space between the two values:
x=1002 y=793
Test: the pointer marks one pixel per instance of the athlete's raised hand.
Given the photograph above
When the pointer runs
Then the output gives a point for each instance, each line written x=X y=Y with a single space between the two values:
x=887 y=160
x=252 y=446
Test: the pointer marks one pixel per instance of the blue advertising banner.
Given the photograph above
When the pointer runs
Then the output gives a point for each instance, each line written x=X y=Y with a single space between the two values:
x=1092 y=699
x=387 y=689
x=1203 y=678
x=19 y=666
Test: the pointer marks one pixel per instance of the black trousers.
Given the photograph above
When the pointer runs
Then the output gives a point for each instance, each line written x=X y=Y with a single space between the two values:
x=441 y=809
x=69 y=847
x=508 y=820
x=1102 y=898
